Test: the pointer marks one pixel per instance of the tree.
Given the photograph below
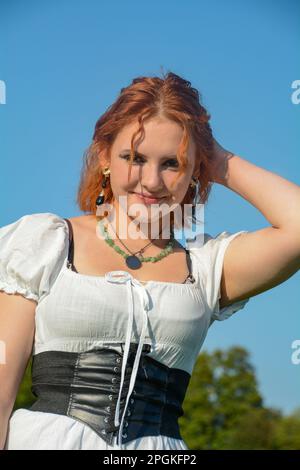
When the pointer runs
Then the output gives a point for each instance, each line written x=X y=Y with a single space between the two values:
x=255 y=430
x=222 y=390
x=287 y=435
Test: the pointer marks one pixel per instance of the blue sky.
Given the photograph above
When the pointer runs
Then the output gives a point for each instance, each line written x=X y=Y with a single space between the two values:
x=64 y=62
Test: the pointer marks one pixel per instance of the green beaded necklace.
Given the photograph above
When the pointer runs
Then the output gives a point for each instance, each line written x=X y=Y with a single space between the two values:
x=132 y=261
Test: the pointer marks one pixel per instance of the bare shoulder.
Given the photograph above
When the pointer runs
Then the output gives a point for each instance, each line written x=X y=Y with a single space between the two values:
x=83 y=224
x=83 y=220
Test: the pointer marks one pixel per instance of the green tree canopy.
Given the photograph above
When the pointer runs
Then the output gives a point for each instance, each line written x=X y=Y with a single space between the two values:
x=224 y=408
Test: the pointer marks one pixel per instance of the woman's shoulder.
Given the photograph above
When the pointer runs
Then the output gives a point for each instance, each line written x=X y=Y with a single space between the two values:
x=35 y=220
x=33 y=234
x=87 y=221
x=209 y=252
x=204 y=242
x=45 y=221
x=32 y=250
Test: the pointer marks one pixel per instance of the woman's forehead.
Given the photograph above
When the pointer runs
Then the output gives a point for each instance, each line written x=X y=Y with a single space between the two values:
x=160 y=138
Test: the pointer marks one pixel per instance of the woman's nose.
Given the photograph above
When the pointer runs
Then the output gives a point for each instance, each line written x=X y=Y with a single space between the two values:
x=152 y=180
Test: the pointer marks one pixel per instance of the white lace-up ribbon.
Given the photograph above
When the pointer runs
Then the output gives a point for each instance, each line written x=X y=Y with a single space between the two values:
x=122 y=277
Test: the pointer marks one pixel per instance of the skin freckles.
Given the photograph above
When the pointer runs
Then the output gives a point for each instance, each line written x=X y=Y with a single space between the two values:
x=152 y=173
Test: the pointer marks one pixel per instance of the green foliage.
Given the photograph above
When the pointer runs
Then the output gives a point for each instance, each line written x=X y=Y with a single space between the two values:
x=287 y=433
x=255 y=430
x=223 y=408
x=24 y=397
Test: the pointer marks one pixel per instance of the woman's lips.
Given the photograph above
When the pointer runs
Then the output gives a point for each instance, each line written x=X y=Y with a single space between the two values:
x=149 y=200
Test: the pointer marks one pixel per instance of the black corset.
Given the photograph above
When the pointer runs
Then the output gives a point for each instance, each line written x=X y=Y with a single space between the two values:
x=85 y=387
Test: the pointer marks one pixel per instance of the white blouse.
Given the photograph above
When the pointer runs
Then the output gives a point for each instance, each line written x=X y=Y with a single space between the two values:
x=78 y=312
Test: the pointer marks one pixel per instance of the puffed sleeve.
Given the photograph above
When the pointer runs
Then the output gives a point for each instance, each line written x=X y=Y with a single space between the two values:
x=32 y=250
x=210 y=257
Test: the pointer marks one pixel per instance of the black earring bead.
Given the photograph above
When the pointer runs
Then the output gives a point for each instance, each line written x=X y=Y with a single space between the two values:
x=100 y=198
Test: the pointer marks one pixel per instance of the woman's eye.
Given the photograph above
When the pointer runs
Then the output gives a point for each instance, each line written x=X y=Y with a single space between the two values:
x=173 y=162
x=127 y=157
x=137 y=159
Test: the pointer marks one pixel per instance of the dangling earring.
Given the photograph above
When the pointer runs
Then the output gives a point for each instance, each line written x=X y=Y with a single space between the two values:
x=100 y=198
x=194 y=182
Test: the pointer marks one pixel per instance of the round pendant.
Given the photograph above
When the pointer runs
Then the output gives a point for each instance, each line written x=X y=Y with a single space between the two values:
x=133 y=262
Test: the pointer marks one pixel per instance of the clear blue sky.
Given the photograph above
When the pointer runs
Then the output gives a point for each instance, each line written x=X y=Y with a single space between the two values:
x=64 y=62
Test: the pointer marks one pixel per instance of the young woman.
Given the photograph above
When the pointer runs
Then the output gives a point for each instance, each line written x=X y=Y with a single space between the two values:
x=114 y=323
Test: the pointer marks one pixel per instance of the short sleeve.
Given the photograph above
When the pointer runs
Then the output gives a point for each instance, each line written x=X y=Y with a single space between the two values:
x=210 y=258
x=32 y=250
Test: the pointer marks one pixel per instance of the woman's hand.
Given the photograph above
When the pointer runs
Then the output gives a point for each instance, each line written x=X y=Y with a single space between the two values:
x=221 y=157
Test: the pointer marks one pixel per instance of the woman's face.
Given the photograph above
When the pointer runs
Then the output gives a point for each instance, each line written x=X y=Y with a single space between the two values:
x=154 y=167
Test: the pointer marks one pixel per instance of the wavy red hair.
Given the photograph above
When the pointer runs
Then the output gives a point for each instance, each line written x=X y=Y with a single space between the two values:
x=169 y=97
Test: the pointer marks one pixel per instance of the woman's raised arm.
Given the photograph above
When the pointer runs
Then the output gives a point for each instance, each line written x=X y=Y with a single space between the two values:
x=258 y=261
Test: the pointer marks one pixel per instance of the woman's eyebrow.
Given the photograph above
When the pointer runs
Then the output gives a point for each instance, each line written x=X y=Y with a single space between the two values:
x=139 y=154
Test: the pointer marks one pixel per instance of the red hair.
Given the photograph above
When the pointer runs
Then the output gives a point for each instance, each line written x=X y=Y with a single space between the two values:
x=170 y=97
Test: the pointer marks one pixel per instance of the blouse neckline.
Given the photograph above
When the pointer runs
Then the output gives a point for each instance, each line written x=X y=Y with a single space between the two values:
x=68 y=265
x=146 y=284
